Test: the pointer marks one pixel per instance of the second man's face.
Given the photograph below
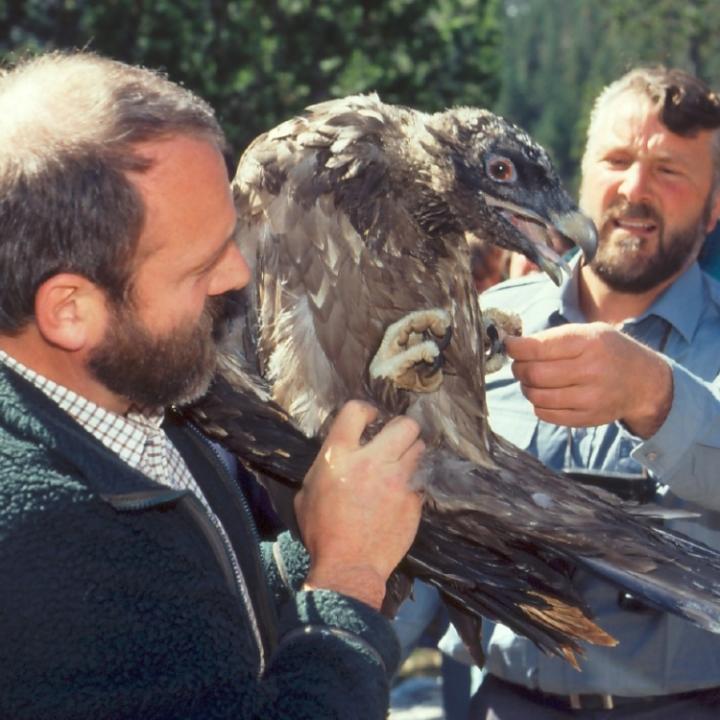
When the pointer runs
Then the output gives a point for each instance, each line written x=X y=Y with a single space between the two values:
x=648 y=191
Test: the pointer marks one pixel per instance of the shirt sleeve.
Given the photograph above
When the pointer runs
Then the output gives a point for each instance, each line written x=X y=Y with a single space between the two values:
x=335 y=655
x=685 y=452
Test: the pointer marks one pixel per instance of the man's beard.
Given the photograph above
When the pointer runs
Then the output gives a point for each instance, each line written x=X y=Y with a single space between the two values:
x=154 y=372
x=624 y=268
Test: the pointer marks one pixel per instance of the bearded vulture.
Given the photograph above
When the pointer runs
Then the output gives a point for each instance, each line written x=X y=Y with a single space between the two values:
x=354 y=218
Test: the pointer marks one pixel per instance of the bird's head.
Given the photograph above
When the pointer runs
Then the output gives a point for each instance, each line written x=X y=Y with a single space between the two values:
x=506 y=191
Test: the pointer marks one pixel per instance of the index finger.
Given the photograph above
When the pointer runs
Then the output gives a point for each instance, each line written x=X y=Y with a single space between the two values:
x=558 y=343
x=350 y=423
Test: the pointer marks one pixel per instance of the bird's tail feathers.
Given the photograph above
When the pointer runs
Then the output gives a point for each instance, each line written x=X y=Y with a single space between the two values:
x=501 y=582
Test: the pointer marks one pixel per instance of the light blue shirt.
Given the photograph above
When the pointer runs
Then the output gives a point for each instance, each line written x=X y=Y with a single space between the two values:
x=658 y=653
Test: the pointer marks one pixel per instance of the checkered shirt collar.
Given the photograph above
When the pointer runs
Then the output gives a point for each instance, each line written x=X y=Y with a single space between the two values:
x=125 y=435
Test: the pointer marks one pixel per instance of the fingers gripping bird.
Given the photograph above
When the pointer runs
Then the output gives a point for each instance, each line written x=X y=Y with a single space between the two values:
x=355 y=219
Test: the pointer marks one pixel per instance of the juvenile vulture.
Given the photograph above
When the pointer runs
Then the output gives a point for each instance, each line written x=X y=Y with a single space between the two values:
x=354 y=219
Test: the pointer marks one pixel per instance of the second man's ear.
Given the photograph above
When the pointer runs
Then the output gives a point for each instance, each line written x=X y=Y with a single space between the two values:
x=70 y=312
x=714 y=212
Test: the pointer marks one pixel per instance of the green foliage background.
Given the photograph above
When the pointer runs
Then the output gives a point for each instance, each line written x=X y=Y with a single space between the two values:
x=538 y=62
x=259 y=62
x=558 y=54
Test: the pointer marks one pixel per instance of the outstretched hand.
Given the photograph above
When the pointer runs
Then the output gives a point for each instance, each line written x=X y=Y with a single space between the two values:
x=356 y=511
x=592 y=374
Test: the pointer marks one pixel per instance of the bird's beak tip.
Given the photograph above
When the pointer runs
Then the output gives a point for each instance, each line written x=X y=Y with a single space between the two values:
x=588 y=242
x=580 y=229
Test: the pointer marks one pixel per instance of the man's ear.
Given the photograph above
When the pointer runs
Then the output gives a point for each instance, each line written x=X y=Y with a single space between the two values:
x=70 y=311
x=714 y=212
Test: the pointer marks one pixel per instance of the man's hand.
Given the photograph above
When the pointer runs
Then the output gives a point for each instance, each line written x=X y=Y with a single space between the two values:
x=356 y=511
x=585 y=375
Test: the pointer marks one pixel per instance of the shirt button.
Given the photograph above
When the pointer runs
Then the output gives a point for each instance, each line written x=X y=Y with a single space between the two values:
x=652 y=456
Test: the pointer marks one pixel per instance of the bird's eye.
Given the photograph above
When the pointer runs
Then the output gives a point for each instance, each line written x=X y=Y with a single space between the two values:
x=501 y=169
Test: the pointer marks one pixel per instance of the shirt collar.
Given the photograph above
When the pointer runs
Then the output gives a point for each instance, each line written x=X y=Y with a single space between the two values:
x=568 y=293
x=681 y=304
x=125 y=435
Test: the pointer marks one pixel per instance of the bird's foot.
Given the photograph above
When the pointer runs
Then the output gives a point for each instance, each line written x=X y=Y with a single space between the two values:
x=497 y=325
x=410 y=355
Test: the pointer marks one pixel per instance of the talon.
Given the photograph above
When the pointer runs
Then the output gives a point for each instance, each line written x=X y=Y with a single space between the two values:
x=497 y=325
x=429 y=375
x=444 y=341
x=410 y=354
x=496 y=346
x=495 y=352
x=436 y=364
x=427 y=371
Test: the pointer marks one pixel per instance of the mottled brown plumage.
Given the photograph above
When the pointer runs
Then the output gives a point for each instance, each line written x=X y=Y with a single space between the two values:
x=355 y=215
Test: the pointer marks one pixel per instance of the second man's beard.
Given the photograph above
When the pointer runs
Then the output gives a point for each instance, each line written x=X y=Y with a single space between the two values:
x=631 y=272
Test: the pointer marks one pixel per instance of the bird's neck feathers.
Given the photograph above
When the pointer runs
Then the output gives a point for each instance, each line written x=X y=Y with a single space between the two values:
x=403 y=211
x=422 y=180
x=441 y=234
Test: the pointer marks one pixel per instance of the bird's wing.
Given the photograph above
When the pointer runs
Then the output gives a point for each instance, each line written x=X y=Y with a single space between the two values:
x=339 y=254
x=301 y=245
x=318 y=208
x=506 y=544
x=507 y=548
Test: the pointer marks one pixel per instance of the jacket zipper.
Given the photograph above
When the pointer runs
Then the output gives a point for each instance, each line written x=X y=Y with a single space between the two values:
x=239 y=581
x=236 y=582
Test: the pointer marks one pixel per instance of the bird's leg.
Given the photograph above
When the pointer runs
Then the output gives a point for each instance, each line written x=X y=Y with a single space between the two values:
x=497 y=325
x=410 y=354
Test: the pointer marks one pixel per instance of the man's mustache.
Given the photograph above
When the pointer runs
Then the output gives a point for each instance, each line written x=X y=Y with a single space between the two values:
x=624 y=210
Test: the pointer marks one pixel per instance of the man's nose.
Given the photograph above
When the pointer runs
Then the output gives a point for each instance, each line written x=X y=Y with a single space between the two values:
x=232 y=273
x=635 y=183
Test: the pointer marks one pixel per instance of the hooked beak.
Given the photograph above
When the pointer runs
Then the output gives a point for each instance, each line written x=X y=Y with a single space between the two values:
x=579 y=229
x=542 y=240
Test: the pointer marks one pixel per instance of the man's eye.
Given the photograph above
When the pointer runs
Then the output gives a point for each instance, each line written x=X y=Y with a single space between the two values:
x=617 y=161
x=501 y=169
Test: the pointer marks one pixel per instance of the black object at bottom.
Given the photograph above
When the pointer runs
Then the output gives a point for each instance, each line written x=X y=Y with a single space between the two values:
x=708 y=696
x=630 y=487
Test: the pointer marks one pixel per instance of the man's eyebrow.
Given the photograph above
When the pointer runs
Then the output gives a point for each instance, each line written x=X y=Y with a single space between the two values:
x=669 y=158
